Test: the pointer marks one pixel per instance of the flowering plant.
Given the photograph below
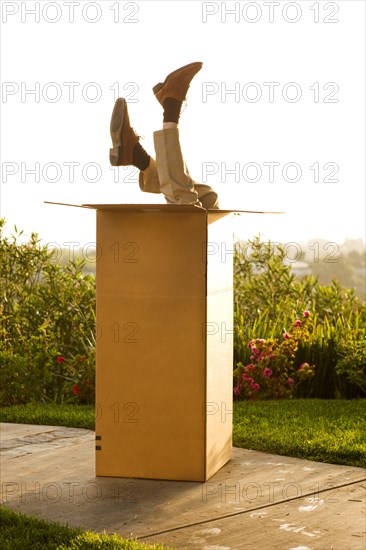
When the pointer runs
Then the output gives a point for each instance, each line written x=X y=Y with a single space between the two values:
x=76 y=378
x=272 y=373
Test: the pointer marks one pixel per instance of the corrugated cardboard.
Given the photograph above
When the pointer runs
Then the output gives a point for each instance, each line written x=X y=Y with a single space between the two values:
x=165 y=341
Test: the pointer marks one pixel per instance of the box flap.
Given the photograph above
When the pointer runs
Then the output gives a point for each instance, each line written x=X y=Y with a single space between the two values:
x=167 y=208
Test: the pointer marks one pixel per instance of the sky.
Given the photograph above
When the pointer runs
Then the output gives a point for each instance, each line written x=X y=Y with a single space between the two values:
x=274 y=121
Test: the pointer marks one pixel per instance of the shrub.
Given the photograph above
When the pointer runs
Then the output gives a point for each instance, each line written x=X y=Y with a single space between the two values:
x=268 y=298
x=272 y=372
x=353 y=362
x=20 y=379
x=46 y=311
x=47 y=327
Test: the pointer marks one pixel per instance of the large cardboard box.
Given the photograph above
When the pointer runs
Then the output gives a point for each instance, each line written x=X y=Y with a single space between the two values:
x=164 y=350
x=164 y=341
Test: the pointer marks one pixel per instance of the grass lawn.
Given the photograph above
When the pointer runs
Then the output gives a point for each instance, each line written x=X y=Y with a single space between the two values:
x=331 y=431
x=73 y=416
x=20 y=532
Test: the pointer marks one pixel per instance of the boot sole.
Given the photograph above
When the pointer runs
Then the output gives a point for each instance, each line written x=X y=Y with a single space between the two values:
x=117 y=120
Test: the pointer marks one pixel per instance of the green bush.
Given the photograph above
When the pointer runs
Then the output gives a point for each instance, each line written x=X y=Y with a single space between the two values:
x=353 y=362
x=21 y=379
x=273 y=372
x=46 y=312
x=268 y=300
x=47 y=323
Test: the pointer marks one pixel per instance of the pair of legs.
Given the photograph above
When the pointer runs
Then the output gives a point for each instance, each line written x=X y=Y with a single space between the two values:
x=167 y=173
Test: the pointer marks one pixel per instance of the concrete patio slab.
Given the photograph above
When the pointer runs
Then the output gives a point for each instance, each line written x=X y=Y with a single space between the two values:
x=257 y=500
x=327 y=522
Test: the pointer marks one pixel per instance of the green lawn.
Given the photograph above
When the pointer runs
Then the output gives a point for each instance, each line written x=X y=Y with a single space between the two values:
x=331 y=431
x=19 y=532
x=73 y=416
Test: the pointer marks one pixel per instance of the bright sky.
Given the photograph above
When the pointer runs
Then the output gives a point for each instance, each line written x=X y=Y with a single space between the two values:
x=275 y=120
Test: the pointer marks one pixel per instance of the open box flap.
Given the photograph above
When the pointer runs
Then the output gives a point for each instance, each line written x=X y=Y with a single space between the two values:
x=167 y=208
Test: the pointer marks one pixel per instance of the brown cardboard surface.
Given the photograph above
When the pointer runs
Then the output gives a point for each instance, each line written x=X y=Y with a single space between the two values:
x=157 y=372
x=219 y=385
x=219 y=342
x=166 y=208
x=164 y=341
x=150 y=252
x=150 y=383
x=151 y=357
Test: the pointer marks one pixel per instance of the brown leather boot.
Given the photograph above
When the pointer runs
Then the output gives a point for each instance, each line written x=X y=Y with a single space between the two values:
x=123 y=136
x=177 y=83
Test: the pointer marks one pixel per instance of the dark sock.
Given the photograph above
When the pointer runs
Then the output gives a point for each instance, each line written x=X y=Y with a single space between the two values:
x=172 y=109
x=140 y=158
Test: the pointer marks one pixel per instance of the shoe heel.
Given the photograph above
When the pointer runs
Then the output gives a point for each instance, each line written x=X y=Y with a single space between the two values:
x=115 y=156
x=157 y=87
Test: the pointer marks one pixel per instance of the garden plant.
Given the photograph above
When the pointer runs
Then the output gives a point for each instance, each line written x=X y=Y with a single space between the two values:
x=47 y=325
x=293 y=337
x=270 y=301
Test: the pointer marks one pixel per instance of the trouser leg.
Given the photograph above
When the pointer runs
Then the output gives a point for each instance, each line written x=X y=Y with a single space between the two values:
x=175 y=181
x=207 y=196
x=169 y=174
x=149 y=180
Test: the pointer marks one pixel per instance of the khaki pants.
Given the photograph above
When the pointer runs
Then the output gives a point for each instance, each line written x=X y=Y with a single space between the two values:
x=169 y=174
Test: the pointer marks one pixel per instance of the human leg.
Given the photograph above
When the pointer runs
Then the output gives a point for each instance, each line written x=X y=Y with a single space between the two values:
x=127 y=150
x=168 y=174
x=175 y=181
x=207 y=196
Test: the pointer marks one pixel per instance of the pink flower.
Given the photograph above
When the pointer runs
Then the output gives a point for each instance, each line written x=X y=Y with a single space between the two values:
x=247 y=378
x=254 y=350
x=306 y=313
x=249 y=368
x=303 y=366
x=76 y=389
x=267 y=372
x=237 y=389
x=286 y=335
x=290 y=382
x=255 y=387
x=261 y=340
x=60 y=359
x=297 y=323
x=252 y=357
x=261 y=356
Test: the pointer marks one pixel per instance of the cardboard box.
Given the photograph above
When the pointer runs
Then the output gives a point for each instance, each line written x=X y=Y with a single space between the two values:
x=164 y=366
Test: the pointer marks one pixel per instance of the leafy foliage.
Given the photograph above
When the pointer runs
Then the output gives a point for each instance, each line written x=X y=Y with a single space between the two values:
x=47 y=324
x=46 y=312
x=269 y=299
x=272 y=372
